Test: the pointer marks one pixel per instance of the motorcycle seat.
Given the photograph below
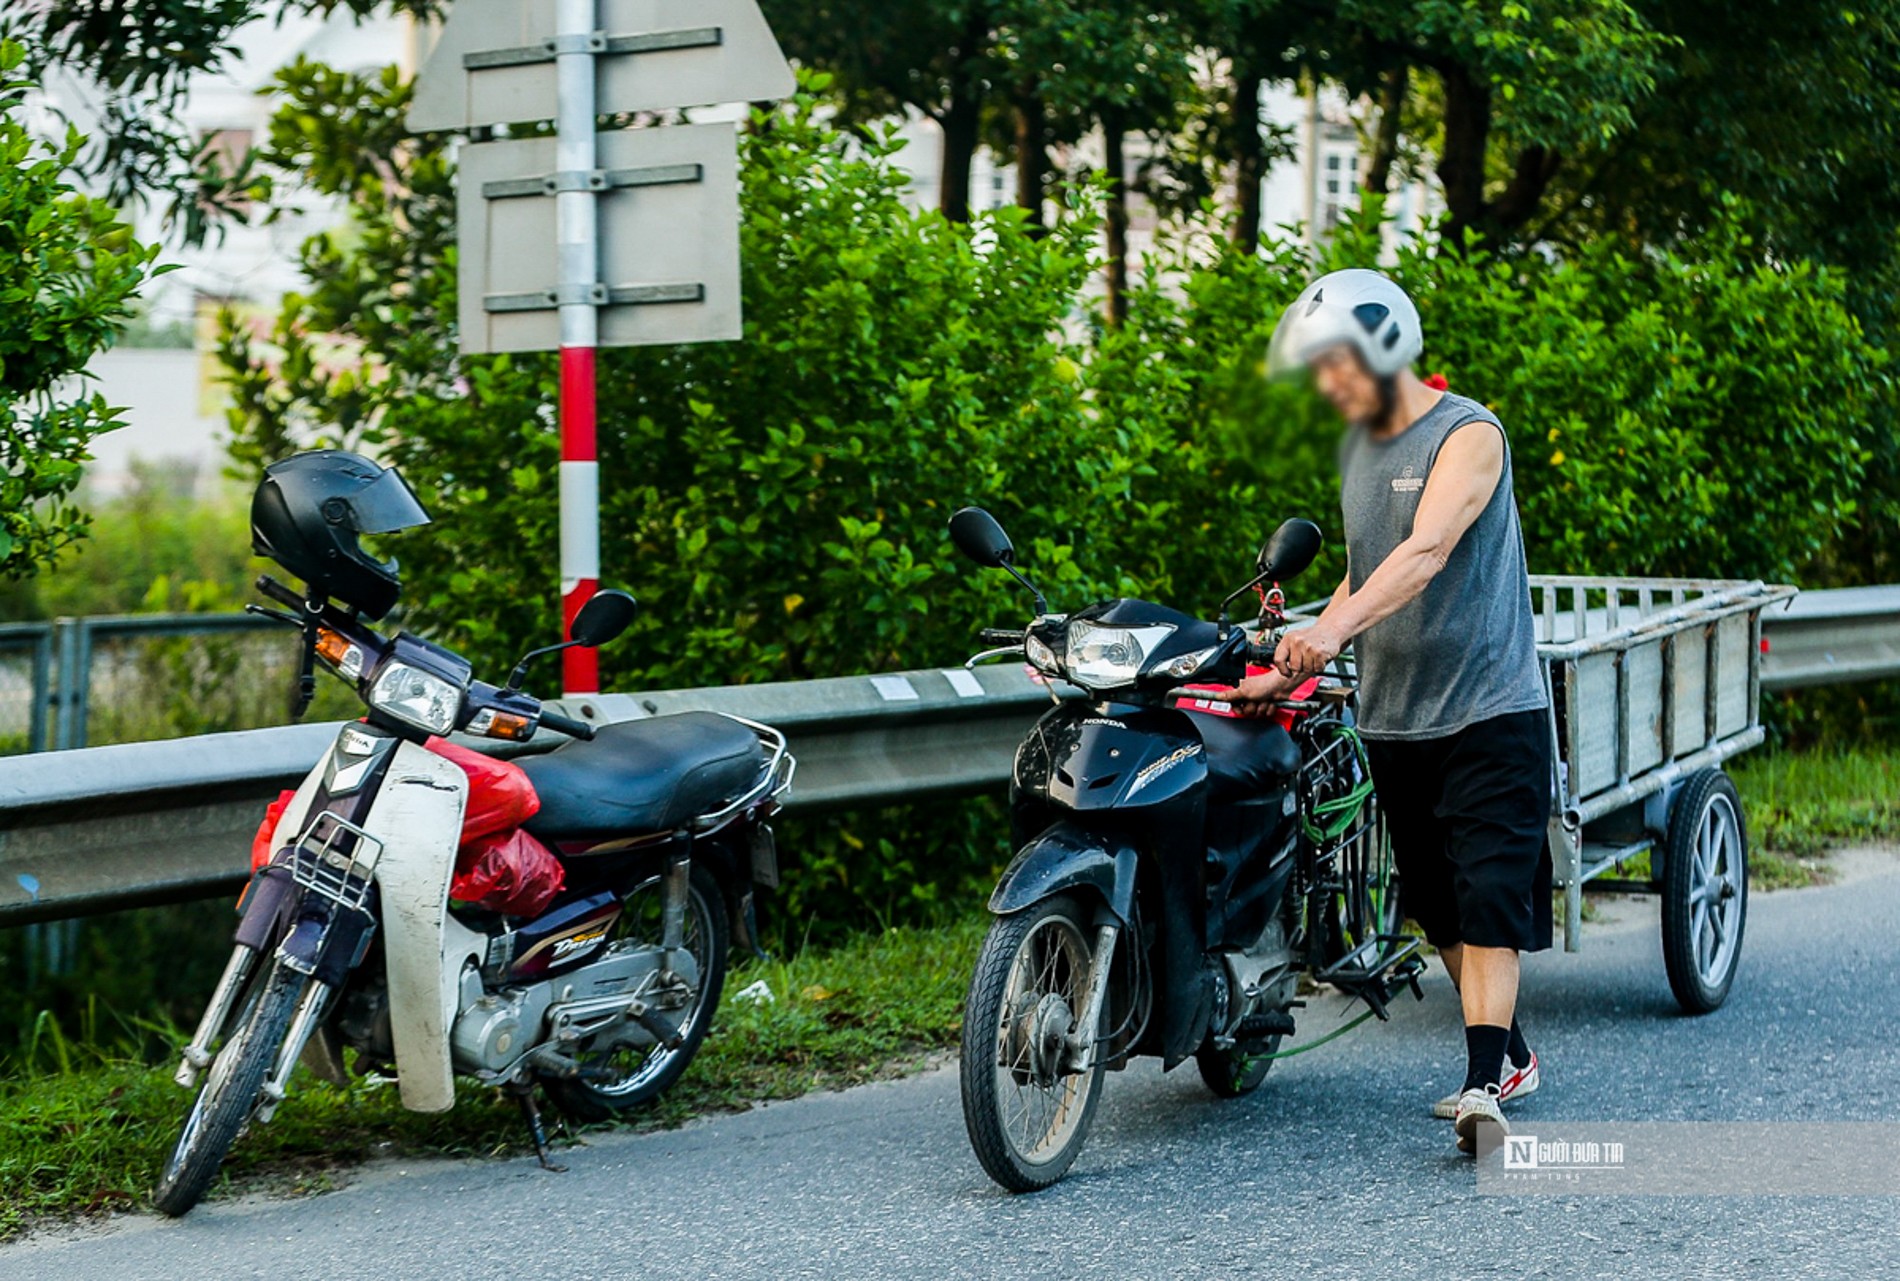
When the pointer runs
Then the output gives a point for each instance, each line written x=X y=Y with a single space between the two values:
x=1246 y=758
x=636 y=777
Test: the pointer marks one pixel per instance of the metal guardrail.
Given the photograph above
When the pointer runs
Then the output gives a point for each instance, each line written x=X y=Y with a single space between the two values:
x=112 y=827
x=60 y=679
x=1832 y=638
x=105 y=828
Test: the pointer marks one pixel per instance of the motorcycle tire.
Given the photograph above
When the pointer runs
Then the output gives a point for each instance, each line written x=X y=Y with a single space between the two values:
x=1011 y=1034
x=229 y=1095
x=707 y=935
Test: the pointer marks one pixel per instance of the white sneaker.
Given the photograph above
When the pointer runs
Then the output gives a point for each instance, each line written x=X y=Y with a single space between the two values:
x=1477 y=1108
x=1517 y=1082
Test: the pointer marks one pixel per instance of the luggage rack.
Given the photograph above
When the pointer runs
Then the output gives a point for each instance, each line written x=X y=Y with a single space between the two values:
x=324 y=868
x=774 y=781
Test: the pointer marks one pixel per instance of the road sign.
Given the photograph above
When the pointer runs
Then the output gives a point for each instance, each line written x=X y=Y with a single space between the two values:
x=495 y=61
x=668 y=248
x=587 y=238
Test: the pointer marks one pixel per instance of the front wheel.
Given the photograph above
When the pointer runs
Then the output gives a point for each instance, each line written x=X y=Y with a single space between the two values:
x=1027 y=1111
x=229 y=1095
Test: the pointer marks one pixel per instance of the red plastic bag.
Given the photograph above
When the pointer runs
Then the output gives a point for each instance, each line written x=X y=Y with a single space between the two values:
x=261 y=844
x=500 y=795
x=507 y=872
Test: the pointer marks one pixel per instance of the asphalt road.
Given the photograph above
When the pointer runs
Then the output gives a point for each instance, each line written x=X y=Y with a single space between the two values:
x=1333 y=1169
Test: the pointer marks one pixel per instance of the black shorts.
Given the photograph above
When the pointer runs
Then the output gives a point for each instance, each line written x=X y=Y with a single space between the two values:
x=1468 y=817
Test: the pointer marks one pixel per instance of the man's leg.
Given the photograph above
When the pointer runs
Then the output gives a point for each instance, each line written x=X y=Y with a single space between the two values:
x=1453 y=957
x=1487 y=989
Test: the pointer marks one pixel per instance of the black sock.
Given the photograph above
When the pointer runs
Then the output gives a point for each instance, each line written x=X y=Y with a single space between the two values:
x=1484 y=1054
x=1520 y=1052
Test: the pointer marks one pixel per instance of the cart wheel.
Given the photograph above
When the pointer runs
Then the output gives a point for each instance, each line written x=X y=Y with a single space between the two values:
x=1705 y=890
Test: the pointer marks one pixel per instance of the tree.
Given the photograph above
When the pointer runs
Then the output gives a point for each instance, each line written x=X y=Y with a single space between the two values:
x=142 y=55
x=1524 y=86
x=69 y=269
x=1115 y=66
x=935 y=58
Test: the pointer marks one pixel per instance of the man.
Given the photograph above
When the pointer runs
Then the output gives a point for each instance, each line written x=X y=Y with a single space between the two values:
x=1452 y=702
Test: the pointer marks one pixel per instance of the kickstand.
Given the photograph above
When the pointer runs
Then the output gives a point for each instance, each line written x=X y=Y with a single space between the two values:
x=524 y=1095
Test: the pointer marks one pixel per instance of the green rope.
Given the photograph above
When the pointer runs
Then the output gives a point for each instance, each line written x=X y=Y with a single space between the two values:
x=1340 y=813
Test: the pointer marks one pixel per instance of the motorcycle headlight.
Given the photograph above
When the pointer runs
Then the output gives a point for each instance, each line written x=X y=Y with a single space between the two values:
x=416 y=697
x=1040 y=656
x=1185 y=666
x=1110 y=657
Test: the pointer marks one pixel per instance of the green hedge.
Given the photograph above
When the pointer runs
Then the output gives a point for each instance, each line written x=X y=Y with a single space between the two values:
x=778 y=504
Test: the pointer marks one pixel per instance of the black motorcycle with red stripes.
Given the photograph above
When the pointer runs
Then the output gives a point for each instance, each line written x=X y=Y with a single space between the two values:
x=1178 y=867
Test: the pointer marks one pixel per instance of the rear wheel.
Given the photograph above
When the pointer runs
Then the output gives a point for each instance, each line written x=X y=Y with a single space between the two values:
x=229 y=1095
x=622 y=1078
x=1705 y=891
x=1235 y=1071
x=1026 y=1110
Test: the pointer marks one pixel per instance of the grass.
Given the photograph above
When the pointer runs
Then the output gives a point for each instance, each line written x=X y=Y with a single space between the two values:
x=83 y=1132
x=1801 y=804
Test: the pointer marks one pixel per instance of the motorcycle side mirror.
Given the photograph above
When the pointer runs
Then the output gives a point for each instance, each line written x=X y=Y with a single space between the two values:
x=603 y=618
x=979 y=537
x=1290 y=550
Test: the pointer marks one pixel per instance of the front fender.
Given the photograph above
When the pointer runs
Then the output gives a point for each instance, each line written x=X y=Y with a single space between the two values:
x=1066 y=857
x=418 y=817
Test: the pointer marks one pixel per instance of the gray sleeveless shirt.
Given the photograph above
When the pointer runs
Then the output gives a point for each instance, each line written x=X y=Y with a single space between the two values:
x=1463 y=650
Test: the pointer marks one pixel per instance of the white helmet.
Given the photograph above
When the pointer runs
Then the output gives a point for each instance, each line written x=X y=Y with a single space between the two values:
x=1355 y=307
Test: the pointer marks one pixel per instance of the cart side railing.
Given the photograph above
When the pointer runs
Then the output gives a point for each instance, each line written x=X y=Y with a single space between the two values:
x=1650 y=680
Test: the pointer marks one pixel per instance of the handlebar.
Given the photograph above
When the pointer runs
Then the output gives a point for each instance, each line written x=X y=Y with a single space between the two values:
x=1000 y=636
x=567 y=725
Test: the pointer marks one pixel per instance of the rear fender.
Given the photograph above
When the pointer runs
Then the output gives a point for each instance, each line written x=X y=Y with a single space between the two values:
x=1067 y=857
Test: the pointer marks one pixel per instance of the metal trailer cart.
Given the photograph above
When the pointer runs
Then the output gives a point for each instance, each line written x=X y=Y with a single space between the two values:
x=1654 y=683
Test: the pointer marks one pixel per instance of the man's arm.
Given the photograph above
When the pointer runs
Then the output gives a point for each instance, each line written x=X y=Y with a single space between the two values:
x=1462 y=481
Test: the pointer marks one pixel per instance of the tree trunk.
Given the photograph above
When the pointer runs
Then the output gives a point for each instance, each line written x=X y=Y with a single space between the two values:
x=1113 y=131
x=1385 y=147
x=1249 y=153
x=1461 y=165
x=960 y=125
x=1032 y=152
x=1536 y=166
x=962 y=118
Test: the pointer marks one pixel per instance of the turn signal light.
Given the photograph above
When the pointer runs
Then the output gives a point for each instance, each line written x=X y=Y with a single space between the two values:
x=335 y=649
x=489 y=723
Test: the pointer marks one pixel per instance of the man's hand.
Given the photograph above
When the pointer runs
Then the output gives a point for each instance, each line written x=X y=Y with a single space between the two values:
x=1306 y=652
x=1256 y=695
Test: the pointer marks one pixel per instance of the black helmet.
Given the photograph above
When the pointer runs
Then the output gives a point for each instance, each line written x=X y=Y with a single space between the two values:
x=309 y=510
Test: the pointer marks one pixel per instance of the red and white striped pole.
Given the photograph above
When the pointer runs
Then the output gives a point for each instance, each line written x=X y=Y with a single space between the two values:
x=576 y=220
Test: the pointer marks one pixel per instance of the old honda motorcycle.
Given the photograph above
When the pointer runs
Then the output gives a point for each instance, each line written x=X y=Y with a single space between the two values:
x=1178 y=867
x=596 y=980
